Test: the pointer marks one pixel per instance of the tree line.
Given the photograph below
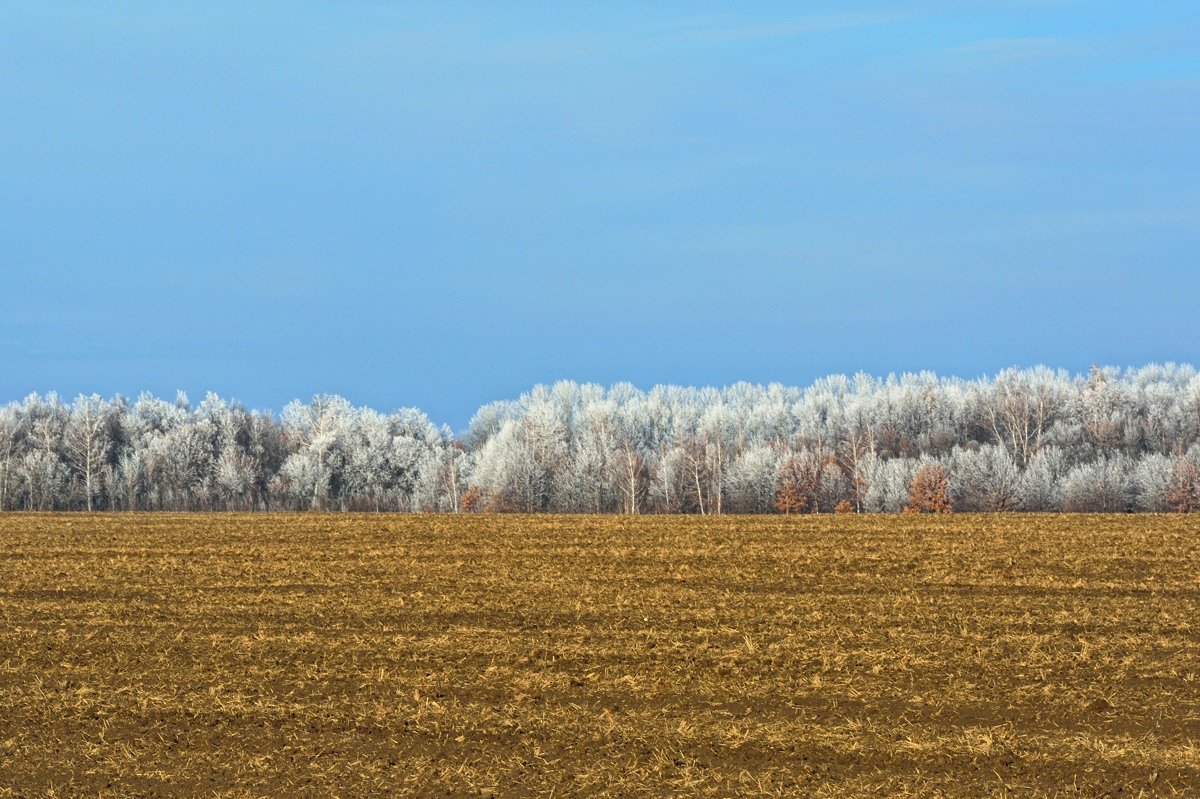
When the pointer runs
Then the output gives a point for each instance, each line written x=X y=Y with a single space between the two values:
x=1023 y=440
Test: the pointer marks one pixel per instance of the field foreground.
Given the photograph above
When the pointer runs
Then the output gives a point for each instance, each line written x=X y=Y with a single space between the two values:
x=347 y=656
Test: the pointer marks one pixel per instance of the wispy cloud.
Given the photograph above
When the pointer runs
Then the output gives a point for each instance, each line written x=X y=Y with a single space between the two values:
x=707 y=31
x=1180 y=71
x=1017 y=48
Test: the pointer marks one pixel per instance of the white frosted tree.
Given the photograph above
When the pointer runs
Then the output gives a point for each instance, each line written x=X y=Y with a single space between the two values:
x=507 y=472
x=1019 y=407
x=44 y=480
x=314 y=474
x=751 y=480
x=1152 y=478
x=12 y=429
x=451 y=476
x=1102 y=486
x=889 y=485
x=235 y=476
x=590 y=479
x=984 y=480
x=129 y=479
x=1041 y=439
x=44 y=476
x=1041 y=485
x=635 y=456
x=87 y=441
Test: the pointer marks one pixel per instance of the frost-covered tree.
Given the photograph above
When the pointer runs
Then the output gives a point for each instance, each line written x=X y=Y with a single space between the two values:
x=44 y=475
x=1041 y=484
x=986 y=479
x=890 y=480
x=1019 y=407
x=1102 y=486
x=12 y=432
x=1151 y=477
x=1026 y=439
x=314 y=475
x=87 y=442
x=752 y=478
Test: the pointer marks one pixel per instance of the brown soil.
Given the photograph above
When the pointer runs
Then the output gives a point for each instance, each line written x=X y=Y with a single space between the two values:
x=352 y=656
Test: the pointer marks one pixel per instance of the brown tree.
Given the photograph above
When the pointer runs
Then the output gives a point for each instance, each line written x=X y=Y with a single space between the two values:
x=1184 y=494
x=799 y=480
x=792 y=496
x=472 y=499
x=930 y=490
x=844 y=507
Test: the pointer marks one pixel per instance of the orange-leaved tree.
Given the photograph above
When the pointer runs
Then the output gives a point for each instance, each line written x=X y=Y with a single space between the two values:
x=799 y=479
x=930 y=490
x=792 y=496
x=472 y=499
x=1183 y=496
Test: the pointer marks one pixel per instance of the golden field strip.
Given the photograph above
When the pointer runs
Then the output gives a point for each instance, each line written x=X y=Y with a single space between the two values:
x=348 y=656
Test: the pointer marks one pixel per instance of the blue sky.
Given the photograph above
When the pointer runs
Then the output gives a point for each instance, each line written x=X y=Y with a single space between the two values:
x=440 y=204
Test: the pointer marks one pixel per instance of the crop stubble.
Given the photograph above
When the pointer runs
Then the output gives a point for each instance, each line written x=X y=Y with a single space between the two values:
x=327 y=655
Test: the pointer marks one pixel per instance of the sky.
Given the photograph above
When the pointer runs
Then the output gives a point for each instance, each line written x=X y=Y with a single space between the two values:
x=440 y=204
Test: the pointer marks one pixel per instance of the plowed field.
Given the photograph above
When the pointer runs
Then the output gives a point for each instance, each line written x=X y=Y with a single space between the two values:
x=354 y=656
